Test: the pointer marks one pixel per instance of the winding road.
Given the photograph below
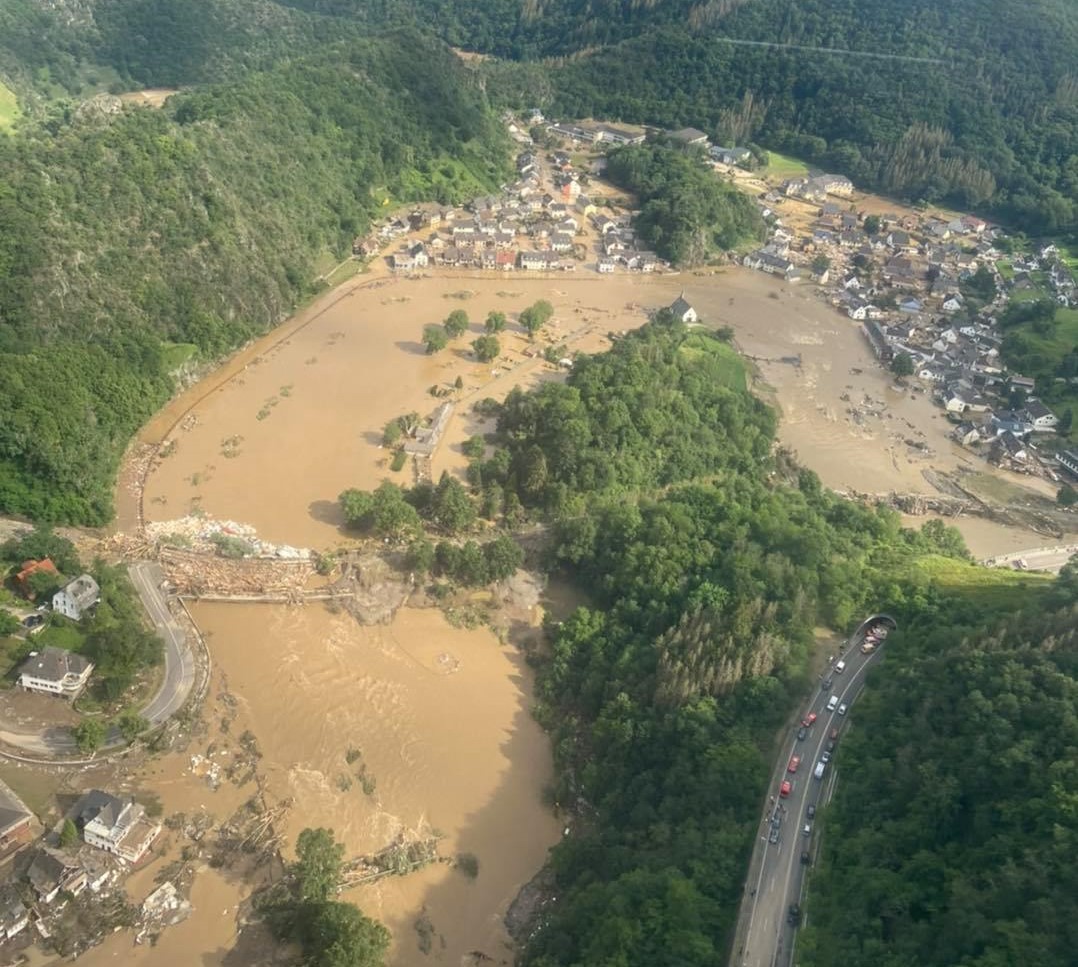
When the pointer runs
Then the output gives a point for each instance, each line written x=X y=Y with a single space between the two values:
x=776 y=877
x=1049 y=559
x=176 y=685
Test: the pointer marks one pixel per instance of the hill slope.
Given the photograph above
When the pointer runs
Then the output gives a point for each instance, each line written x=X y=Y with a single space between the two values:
x=199 y=224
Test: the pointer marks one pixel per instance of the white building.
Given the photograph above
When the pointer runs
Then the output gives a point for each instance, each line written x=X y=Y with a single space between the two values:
x=117 y=826
x=76 y=597
x=682 y=310
x=55 y=671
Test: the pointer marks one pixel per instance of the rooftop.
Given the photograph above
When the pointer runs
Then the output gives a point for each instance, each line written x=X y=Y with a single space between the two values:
x=54 y=665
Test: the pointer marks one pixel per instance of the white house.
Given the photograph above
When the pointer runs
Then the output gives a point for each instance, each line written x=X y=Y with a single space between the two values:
x=682 y=310
x=55 y=671
x=13 y=913
x=76 y=597
x=117 y=826
x=1042 y=419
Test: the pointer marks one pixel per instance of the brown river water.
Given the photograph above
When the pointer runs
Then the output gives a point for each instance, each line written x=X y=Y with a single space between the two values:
x=441 y=715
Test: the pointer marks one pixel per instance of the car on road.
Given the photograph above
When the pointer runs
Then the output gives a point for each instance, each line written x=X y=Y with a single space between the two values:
x=820 y=766
x=795 y=761
x=801 y=733
x=840 y=666
x=774 y=837
x=826 y=683
x=830 y=746
x=808 y=720
x=834 y=734
x=786 y=788
x=811 y=811
x=832 y=703
x=805 y=858
x=807 y=829
x=794 y=916
x=868 y=647
x=826 y=757
x=842 y=709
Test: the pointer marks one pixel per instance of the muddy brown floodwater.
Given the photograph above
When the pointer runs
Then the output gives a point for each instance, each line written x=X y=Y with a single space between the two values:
x=439 y=718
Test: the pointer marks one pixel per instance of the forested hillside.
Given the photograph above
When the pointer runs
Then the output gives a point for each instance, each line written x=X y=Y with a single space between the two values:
x=952 y=835
x=122 y=233
x=971 y=101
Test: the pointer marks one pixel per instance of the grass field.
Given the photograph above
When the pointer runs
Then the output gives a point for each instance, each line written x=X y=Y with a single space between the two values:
x=996 y=589
x=9 y=107
x=177 y=353
x=1005 y=269
x=719 y=360
x=783 y=166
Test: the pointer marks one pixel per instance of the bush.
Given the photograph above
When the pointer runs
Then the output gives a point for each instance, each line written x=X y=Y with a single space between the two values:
x=400 y=458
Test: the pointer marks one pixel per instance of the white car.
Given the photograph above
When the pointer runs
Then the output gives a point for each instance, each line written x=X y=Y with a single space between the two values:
x=842 y=709
x=840 y=667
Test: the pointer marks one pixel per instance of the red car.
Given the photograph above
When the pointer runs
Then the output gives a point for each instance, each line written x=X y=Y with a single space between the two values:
x=808 y=719
x=795 y=761
x=786 y=788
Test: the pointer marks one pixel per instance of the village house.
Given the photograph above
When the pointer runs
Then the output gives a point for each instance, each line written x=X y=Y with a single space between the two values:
x=55 y=671
x=1042 y=419
x=16 y=822
x=537 y=261
x=731 y=156
x=117 y=826
x=505 y=261
x=14 y=916
x=28 y=570
x=952 y=303
x=52 y=871
x=688 y=136
x=77 y=597
x=877 y=340
x=1009 y=452
x=682 y=311
x=1068 y=460
x=1007 y=421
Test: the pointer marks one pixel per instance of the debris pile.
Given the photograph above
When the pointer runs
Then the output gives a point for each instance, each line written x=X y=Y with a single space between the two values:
x=199 y=533
x=198 y=575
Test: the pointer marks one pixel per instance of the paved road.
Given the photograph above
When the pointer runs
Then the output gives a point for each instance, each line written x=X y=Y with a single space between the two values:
x=776 y=874
x=175 y=687
x=179 y=662
x=1038 y=559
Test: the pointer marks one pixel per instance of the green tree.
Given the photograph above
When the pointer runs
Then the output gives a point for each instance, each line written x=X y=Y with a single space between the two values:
x=531 y=321
x=456 y=323
x=872 y=225
x=337 y=934
x=452 y=508
x=89 y=735
x=317 y=870
x=38 y=543
x=357 y=507
x=1067 y=496
x=820 y=264
x=435 y=339
x=9 y=624
x=902 y=364
x=391 y=515
x=69 y=835
x=392 y=432
x=420 y=556
x=131 y=725
x=475 y=447
x=495 y=323
x=503 y=556
x=486 y=348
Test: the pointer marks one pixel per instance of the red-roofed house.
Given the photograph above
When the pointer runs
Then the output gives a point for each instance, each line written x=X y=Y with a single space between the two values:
x=29 y=568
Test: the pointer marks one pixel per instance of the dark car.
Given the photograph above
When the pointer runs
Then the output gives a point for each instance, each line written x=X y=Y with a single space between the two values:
x=825 y=684
x=801 y=733
x=33 y=621
x=774 y=837
x=811 y=811
x=834 y=735
x=794 y=916
x=805 y=858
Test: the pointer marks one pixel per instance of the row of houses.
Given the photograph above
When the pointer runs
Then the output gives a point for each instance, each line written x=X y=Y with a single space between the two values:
x=113 y=833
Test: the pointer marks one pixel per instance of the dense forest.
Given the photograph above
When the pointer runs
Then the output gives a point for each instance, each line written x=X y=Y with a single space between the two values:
x=198 y=226
x=686 y=213
x=966 y=746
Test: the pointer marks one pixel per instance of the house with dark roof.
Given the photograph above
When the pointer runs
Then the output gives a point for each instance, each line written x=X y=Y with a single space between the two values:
x=55 y=671
x=688 y=136
x=681 y=309
x=1042 y=419
x=117 y=826
x=76 y=597
x=53 y=871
